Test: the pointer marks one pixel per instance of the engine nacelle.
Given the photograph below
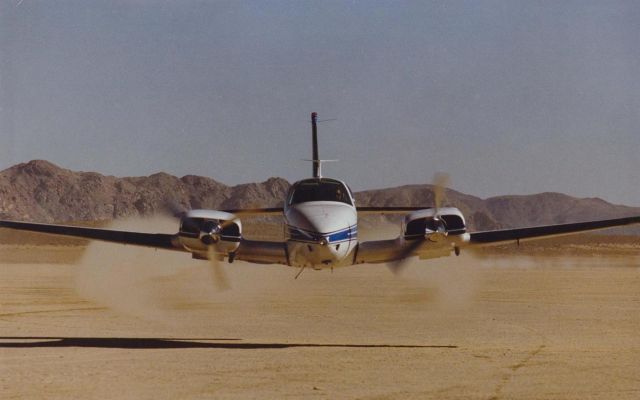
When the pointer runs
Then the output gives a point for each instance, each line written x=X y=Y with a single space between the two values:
x=200 y=229
x=444 y=222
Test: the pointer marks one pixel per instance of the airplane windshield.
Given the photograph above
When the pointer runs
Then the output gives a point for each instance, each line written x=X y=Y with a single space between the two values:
x=320 y=190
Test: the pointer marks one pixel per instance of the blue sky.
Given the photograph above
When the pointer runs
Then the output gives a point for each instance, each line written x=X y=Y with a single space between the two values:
x=507 y=97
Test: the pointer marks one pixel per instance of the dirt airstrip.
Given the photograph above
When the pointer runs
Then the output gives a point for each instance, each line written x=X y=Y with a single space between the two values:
x=108 y=321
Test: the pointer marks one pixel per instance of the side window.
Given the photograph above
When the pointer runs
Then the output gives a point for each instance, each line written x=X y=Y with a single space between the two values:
x=342 y=193
x=290 y=195
x=353 y=199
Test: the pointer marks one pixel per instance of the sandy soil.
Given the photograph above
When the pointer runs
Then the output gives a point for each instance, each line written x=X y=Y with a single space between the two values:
x=110 y=321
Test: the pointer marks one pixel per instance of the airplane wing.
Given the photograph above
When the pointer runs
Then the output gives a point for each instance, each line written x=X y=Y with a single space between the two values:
x=155 y=240
x=261 y=252
x=541 y=232
x=379 y=251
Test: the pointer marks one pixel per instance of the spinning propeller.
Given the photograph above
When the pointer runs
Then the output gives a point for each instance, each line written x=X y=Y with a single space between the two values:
x=440 y=182
x=218 y=273
x=212 y=232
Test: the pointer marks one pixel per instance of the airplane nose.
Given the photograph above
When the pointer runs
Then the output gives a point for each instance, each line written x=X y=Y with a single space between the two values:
x=323 y=252
x=323 y=231
x=327 y=255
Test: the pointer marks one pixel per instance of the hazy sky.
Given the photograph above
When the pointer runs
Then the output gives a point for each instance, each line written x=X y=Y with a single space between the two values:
x=508 y=97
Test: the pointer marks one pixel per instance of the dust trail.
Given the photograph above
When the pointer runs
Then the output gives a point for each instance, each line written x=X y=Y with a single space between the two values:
x=449 y=282
x=142 y=282
x=167 y=287
x=163 y=286
x=452 y=282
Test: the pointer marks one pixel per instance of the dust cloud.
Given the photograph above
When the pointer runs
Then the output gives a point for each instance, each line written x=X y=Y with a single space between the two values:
x=143 y=282
x=448 y=283
x=162 y=286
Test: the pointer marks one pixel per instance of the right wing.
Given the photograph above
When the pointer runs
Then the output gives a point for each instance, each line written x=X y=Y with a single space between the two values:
x=260 y=252
x=155 y=240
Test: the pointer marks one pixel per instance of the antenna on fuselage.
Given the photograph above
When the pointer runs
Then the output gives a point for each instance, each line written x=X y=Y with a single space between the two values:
x=317 y=162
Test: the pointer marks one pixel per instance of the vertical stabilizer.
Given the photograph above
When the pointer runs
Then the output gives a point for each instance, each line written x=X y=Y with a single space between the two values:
x=314 y=132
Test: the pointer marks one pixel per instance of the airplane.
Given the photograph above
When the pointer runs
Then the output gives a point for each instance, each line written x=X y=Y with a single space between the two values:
x=321 y=220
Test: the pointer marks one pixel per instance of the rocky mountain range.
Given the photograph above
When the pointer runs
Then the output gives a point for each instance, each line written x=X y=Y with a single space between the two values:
x=41 y=191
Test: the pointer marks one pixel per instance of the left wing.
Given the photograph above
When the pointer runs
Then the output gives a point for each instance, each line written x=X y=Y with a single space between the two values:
x=541 y=232
x=379 y=251
x=155 y=240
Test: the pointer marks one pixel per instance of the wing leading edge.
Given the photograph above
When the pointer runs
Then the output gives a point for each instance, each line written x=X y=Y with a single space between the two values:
x=540 y=232
x=155 y=240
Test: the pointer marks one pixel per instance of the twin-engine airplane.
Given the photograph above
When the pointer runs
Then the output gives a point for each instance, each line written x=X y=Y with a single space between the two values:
x=321 y=217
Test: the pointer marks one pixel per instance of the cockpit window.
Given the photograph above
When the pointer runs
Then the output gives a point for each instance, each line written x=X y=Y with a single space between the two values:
x=320 y=190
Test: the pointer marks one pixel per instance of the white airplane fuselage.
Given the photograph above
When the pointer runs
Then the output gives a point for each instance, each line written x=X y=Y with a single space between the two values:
x=321 y=234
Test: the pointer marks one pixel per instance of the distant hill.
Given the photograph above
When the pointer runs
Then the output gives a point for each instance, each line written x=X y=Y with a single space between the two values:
x=41 y=191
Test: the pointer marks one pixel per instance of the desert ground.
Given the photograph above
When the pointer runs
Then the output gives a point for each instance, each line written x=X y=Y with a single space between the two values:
x=104 y=321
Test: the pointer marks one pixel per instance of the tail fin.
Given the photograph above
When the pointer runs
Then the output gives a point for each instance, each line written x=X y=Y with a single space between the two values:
x=314 y=134
x=317 y=162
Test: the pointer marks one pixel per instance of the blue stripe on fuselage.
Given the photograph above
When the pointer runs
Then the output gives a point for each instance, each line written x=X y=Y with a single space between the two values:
x=301 y=235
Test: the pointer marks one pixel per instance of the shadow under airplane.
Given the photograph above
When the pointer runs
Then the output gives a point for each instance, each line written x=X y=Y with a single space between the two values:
x=176 y=343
